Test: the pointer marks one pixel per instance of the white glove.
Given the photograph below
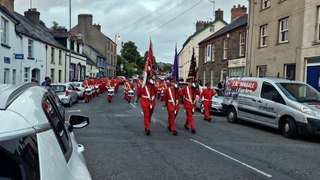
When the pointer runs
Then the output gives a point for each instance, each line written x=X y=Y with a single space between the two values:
x=193 y=85
x=176 y=86
x=151 y=81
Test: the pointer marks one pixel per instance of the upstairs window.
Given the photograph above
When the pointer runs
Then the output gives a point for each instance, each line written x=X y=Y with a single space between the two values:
x=263 y=35
x=225 y=48
x=265 y=4
x=30 y=48
x=283 y=30
x=4 y=29
x=60 y=57
x=318 y=23
x=242 y=44
x=52 y=55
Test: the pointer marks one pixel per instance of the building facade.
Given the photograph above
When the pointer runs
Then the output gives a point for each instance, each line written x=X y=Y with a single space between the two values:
x=284 y=40
x=96 y=39
x=203 y=30
x=222 y=54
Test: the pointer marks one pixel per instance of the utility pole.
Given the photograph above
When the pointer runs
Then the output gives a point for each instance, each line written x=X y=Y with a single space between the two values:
x=69 y=40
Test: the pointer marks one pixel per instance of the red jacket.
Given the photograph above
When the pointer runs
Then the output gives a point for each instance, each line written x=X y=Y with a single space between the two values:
x=145 y=99
x=207 y=95
x=189 y=103
x=176 y=94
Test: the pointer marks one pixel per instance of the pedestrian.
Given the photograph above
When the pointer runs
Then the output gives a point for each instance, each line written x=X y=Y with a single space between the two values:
x=206 y=99
x=148 y=102
x=45 y=81
x=220 y=84
x=48 y=83
x=190 y=92
x=171 y=101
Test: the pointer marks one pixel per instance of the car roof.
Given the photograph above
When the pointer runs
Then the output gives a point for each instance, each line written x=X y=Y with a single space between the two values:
x=15 y=118
x=270 y=79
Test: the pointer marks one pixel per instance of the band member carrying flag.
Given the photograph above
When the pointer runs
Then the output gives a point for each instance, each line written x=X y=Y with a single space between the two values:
x=148 y=91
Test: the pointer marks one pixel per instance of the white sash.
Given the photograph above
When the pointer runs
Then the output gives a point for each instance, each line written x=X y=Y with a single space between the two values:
x=148 y=94
x=173 y=100
x=189 y=96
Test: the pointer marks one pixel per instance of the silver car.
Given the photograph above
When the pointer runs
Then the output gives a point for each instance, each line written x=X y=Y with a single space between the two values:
x=216 y=101
x=35 y=143
x=66 y=92
x=79 y=86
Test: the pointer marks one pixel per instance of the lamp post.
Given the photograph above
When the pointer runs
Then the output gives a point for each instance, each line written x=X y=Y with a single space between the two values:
x=117 y=37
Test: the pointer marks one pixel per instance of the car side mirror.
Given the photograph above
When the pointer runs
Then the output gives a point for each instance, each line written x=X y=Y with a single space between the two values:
x=78 y=122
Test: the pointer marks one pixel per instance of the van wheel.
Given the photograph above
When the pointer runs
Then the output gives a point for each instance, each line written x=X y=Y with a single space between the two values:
x=201 y=108
x=289 y=128
x=232 y=115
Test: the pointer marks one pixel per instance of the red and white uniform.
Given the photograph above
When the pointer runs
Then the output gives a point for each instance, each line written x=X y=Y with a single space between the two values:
x=189 y=104
x=171 y=97
x=206 y=98
x=128 y=86
x=148 y=102
x=110 y=85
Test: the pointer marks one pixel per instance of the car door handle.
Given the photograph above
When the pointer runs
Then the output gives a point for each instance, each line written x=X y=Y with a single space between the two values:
x=259 y=101
x=253 y=100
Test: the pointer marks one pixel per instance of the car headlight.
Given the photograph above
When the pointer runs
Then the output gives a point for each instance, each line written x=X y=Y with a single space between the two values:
x=307 y=110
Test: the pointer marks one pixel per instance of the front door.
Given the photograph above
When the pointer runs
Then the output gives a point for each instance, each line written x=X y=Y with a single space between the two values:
x=313 y=76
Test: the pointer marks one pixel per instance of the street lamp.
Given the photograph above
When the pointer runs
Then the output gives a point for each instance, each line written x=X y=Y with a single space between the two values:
x=117 y=37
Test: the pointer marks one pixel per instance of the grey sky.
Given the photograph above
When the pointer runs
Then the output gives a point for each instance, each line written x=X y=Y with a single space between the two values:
x=166 y=22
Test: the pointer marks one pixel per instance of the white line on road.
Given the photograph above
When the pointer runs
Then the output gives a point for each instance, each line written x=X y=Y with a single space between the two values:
x=74 y=110
x=229 y=157
x=132 y=105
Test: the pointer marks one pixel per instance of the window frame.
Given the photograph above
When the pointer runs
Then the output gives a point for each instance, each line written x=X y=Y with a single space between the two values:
x=225 y=49
x=30 y=49
x=283 y=32
x=242 y=44
x=259 y=68
x=265 y=4
x=318 y=25
x=60 y=57
x=4 y=31
x=52 y=55
x=263 y=35
x=213 y=52
x=264 y=93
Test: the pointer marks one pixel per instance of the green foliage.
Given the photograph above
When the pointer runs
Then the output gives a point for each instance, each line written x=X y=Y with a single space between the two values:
x=132 y=62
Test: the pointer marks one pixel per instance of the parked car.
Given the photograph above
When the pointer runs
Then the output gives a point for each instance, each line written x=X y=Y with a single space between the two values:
x=216 y=101
x=293 y=107
x=66 y=93
x=79 y=88
x=35 y=143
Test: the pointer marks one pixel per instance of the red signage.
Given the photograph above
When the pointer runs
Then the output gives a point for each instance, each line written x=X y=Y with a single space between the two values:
x=240 y=85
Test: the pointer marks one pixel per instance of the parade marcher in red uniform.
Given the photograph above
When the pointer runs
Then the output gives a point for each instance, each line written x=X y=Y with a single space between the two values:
x=129 y=86
x=110 y=86
x=164 y=87
x=171 y=100
x=189 y=92
x=148 y=102
x=206 y=99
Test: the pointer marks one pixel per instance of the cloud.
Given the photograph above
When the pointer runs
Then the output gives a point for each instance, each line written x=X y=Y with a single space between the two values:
x=136 y=20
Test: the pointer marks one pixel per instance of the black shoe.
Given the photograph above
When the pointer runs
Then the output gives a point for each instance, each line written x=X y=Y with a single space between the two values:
x=148 y=133
x=169 y=128
x=175 y=133
x=193 y=131
x=186 y=127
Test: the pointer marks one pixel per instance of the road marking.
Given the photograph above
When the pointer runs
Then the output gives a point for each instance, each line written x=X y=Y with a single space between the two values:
x=74 y=110
x=132 y=105
x=229 y=157
x=121 y=115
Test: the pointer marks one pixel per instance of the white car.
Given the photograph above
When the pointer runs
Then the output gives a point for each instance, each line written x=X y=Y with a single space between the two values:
x=79 y=88
x=35 y=141
x=66 y=93
x=216 y=101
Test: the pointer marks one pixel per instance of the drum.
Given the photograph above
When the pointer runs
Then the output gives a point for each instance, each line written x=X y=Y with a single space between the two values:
x=111 y=92
x=130 y=93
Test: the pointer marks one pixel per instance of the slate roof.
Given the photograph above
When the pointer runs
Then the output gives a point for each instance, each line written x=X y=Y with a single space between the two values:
x=96 y=51
x=32 y=30
x=239 y=22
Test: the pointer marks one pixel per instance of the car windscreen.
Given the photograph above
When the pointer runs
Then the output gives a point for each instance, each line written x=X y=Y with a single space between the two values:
x=76 y=84
x=299 y=92
x=58 y=88
x=220 y=93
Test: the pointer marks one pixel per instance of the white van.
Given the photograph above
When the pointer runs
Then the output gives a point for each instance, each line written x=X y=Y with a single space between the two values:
x=290 y=106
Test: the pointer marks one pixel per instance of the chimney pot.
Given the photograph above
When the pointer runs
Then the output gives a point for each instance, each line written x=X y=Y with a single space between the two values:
x=9 y=4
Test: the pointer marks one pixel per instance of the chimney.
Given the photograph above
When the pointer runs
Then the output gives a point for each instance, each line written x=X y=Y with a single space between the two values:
x=33 y=15
x=218 y=15
x=238 y=12
x=97 y=26
x=201 y=24
x=85 y=20
x=9 y=4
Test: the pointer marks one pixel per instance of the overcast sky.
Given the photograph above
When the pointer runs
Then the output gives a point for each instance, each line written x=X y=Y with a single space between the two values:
x=166 y=22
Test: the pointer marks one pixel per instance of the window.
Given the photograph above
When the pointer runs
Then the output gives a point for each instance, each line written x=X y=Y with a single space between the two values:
x=30 y=48
x=20 y=158
x=283 y=30
x=14 y=74
x=60 y=57
x=290 y=71
x=263 y=35
x=242 y=44
x=225 y=49
x=60 y=76
x=212 y=76
x=4 y=29
x=213 y=49
x=204 y=77
x=52 y=55
x=6 y=77
x=265 y=4
x=26 y=74
x=209 y=52
x=318 y=24
x=57 y=123
x=205 y=55
x=52 y=75
x=261 y=71
x=268 y=91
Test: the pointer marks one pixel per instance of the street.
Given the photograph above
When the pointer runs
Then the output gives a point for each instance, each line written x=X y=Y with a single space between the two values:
x=116 y=146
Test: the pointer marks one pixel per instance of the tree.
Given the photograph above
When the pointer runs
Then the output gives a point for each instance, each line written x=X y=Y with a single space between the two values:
x=56 y=26
x=129 y=52
x=131 y=59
